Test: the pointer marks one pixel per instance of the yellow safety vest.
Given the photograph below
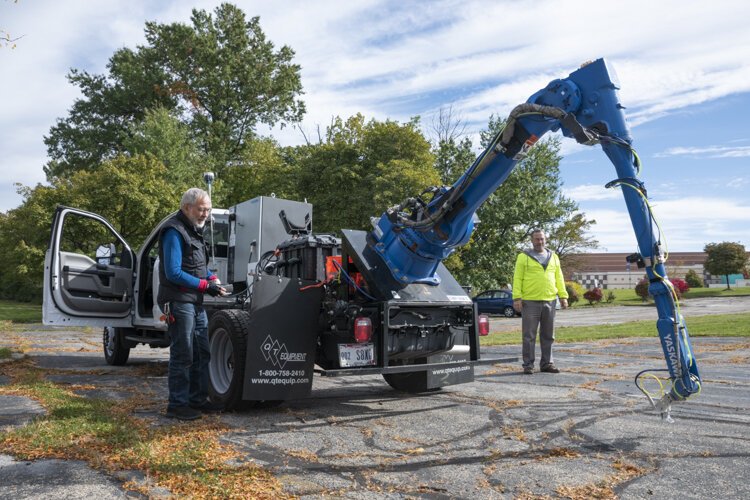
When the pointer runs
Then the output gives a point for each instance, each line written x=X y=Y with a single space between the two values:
x=531 y=281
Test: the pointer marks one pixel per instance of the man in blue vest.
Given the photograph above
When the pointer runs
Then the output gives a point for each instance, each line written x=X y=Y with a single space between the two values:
x=184 y=278
x=537 y=283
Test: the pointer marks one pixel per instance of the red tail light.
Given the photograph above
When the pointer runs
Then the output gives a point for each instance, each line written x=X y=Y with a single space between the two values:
x=362 y=329
x=484 y=325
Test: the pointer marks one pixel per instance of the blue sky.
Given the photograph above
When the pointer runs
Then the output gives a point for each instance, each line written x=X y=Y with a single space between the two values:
x=684 y=69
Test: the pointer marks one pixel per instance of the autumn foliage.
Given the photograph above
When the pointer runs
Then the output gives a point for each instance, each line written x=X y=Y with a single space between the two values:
x=594 y=295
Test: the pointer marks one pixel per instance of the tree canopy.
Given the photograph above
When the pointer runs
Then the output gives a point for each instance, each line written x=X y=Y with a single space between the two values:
x=362 y=168
x=220 y=76
x=725 y=258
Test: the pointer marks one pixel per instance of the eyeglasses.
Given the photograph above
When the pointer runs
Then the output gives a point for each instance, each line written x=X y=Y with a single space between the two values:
x=202 y=210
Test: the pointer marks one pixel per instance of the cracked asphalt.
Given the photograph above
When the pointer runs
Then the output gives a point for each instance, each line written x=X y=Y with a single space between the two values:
x=584 y=432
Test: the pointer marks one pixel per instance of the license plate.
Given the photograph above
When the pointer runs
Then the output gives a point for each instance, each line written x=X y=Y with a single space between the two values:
x=356 y=355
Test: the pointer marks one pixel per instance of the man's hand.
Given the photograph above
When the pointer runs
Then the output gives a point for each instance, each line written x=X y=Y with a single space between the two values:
x=517 y=305
x=564 y=303
x=215 y=290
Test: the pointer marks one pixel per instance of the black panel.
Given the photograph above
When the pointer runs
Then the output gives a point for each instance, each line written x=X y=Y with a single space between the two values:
x=281 y=341
x=442 y=376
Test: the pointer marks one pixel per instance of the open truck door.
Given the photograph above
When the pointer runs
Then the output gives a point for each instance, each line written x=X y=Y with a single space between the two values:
x=88 y=272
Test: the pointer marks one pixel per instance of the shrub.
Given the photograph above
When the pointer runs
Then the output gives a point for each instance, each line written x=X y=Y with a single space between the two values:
x=680 y=285
x=593 y=295
x=575 y=292
x=610 y=297
x=693 y=280
x=641 y=289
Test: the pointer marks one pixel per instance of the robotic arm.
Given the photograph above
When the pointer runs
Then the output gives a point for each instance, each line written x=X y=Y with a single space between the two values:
x=414 y=237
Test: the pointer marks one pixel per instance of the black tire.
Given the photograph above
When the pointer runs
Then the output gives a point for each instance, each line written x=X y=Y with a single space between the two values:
x=227 y=335
x=116 y=350
x=509 y=312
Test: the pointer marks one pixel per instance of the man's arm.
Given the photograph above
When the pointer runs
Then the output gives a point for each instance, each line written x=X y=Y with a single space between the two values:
x=518 y=275
x=562 y=292
x=171 y=241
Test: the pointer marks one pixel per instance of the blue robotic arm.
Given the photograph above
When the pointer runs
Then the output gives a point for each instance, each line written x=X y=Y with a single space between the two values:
x=414 y=237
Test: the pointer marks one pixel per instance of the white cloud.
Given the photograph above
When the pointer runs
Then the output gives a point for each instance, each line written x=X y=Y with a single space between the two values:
x=707 y=152
x=591 y=192
x=386 y=58
x=688 y=224
x=738 y=182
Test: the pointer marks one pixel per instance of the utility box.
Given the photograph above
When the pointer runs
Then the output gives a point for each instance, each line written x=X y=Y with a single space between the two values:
x=305 y=257
x=258 y=226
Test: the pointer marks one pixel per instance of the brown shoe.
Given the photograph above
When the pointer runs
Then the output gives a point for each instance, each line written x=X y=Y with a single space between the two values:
x=550 y=368
x=527 y=370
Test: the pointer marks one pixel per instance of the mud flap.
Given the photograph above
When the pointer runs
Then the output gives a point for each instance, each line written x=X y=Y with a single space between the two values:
x=281 y=340
x=439 y=377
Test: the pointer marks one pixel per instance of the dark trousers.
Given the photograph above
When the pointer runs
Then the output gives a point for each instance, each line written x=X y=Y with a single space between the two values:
x=189 y=355
x=538 y=315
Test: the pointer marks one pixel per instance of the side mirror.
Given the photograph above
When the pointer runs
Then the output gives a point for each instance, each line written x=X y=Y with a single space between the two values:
x=105 y=254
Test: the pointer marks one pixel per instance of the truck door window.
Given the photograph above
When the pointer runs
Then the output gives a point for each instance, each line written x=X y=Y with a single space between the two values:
x=89 y=237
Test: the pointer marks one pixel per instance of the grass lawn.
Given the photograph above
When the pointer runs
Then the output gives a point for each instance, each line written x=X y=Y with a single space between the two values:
x=722 y=325
x=627 y=297
x=20 y=312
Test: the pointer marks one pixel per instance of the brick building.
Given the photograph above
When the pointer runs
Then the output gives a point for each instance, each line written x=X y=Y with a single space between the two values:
x=611 y=271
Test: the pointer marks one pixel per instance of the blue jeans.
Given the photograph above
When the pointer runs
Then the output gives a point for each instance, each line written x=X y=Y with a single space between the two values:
x=189 y=355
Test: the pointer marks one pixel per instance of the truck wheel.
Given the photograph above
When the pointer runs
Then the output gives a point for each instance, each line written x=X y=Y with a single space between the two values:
x=509 y=312
x=227 y=334
x=413 y=382
x=116 y=351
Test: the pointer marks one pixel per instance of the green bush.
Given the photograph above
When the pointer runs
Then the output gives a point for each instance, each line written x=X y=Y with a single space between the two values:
x=610 y=297
x=575 y=292
x=641 y=289
x=693 y=280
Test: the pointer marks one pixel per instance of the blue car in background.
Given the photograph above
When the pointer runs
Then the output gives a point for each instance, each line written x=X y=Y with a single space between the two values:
x=496 y=302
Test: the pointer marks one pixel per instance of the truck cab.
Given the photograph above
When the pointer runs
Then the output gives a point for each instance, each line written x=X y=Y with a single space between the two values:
x=93 y=277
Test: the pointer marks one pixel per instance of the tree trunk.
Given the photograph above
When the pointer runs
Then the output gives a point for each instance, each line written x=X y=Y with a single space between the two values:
x=728 y=287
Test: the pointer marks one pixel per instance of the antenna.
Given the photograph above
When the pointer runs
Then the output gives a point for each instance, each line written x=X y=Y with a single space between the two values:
x=209 y=178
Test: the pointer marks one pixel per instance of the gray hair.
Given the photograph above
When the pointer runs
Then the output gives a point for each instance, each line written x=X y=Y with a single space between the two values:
x=193 y=196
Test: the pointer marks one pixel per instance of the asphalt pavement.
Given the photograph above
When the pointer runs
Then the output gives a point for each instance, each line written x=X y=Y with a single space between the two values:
x=584 y=432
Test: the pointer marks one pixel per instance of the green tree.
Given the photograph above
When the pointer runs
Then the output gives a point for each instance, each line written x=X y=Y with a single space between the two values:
x=99 y=123
x=361 y=169
x=220 y=75
x=453 y=158
x=725 y=258
x=133 y=193
x=453 y=154
x=693 y=280
x=263 y=170
x=24 y=235
x=163 y=136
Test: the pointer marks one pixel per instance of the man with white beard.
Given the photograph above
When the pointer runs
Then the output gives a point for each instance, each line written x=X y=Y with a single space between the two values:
x=184 y=279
